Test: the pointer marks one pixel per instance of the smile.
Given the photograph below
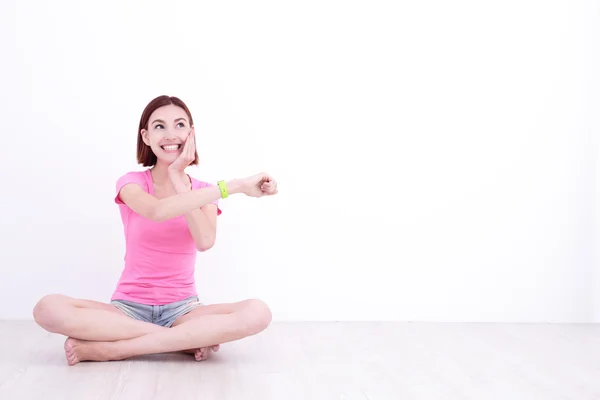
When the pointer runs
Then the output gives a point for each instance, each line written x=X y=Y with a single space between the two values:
x=170 y=147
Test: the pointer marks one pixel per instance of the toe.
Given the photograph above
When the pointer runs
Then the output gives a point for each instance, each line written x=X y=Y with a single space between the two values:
x=72 y=359
x=70 y=352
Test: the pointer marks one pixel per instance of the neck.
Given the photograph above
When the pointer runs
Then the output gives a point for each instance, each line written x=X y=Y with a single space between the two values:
x=161 y=174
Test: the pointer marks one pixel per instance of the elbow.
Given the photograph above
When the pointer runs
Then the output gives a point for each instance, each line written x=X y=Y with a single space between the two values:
x=205 y=245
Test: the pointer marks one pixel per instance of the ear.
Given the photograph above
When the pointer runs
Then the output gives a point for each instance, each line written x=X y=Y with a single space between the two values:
x=144 y=134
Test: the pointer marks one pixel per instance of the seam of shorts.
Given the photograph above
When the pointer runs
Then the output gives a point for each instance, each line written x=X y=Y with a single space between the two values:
x=125 y=310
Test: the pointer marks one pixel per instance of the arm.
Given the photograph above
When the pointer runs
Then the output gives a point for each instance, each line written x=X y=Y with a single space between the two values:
x=184 y=202
x=202 y=221
x=152 y=208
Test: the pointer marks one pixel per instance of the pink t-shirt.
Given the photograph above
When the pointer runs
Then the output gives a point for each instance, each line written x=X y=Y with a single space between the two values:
x=160 y=257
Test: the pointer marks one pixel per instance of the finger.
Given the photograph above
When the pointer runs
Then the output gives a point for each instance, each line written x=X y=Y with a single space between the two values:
x=190 y=149
x=185 y=144
x=264 y=177
x=189 y=137
x=191 y=145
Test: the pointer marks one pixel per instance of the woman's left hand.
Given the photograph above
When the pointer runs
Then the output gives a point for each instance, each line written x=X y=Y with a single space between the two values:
x=269 y=187
x=188 y=154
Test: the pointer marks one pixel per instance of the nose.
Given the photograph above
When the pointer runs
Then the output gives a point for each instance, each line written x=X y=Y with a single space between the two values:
x=169 y=134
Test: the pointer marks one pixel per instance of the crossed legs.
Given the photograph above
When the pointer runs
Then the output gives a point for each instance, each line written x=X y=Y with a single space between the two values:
x=101 y=332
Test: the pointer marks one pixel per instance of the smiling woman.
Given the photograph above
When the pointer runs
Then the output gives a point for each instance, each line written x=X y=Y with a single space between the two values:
x=154 y=125
x=168 y=217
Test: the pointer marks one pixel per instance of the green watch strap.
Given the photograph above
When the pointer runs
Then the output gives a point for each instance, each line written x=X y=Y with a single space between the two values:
x=223 y=187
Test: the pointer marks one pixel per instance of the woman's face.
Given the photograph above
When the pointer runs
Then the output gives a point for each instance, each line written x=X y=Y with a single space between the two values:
x=168 y=129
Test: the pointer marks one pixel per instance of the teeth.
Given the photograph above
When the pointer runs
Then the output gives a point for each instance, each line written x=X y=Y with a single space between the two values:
x=171 y=147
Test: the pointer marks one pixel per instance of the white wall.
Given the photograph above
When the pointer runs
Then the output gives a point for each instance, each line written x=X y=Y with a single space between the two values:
x=593 y=127
x=435 y=159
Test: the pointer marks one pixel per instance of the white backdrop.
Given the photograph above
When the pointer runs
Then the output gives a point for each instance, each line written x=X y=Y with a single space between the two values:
x=436 y=159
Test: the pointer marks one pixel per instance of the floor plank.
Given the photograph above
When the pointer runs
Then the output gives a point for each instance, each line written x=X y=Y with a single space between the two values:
x=362 y=361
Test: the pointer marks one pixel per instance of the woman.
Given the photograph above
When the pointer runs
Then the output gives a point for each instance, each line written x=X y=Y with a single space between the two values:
x=168 y=217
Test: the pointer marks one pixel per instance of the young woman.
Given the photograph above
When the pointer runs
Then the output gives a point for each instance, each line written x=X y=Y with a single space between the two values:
x=168 y=217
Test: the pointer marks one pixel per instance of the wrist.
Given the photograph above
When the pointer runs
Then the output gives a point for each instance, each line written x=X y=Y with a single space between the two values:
x=174 y=172
x=177 y=181
x=234 y=186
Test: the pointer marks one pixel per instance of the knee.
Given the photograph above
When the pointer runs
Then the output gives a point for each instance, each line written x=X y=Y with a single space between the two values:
x=46 y=312
x=257 y=316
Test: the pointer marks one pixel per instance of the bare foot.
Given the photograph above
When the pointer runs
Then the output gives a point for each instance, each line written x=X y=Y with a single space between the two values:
x=202 y=354
x=81 y=350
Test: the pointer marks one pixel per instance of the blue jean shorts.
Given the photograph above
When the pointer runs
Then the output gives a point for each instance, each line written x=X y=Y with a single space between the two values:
x=163 y=315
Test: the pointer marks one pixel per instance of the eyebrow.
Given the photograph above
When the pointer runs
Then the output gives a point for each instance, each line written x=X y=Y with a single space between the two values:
x=163 y=122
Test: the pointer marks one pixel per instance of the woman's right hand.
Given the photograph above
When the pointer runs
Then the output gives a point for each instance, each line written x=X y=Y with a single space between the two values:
x=258 y=185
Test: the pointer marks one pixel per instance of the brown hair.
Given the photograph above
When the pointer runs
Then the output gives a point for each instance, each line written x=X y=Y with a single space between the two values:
x=145 y=155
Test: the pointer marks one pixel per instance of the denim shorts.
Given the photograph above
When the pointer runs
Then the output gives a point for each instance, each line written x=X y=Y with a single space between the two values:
x=163 y=315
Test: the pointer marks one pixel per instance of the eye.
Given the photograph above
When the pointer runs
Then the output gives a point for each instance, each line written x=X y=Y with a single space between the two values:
x=181 y=125
x=158 y=126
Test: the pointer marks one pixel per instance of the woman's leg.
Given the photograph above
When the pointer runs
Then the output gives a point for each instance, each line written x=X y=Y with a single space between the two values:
x=212 y=309
x=194 y=332
x=88 y=320
x=202 y=353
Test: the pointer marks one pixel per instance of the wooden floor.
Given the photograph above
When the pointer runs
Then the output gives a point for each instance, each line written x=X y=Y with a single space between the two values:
x=307 y=361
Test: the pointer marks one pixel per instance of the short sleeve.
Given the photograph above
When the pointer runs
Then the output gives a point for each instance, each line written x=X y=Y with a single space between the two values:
x=130 y=177
x=200 y=185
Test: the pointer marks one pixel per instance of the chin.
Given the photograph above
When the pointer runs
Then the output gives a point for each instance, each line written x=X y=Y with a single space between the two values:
x=168 y=158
